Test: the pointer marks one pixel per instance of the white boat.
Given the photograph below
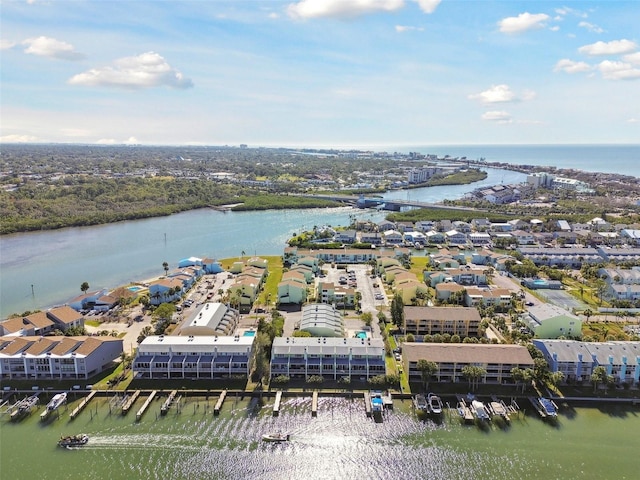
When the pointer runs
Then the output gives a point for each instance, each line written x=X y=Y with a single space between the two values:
x=435 y=404
x=275 y=437
x=420 y=402
x=548 y=407
x=479 y=411
x=500 y=409
x=56 y=401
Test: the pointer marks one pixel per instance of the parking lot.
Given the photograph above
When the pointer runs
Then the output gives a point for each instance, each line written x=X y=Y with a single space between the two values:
x=359 y=277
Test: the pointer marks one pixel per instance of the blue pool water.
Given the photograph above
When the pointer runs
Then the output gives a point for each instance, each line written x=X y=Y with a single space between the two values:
x=249 y=333
x=134 y=288
x=540 y=282
x=361 y=334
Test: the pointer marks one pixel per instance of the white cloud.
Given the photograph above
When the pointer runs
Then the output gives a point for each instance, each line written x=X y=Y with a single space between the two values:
x=495 y=94
x=340 y=8
x=569 y=66
x=407 y=28
x=615 y=47
x=591 y=27
x=618 y=70
x=18 y=139
x=632 y=58
x=633 y=120
x=51 y=48
x=497 y=116
x=143 y=71
x=428 y=6
x=6 y=44
x=523 y=22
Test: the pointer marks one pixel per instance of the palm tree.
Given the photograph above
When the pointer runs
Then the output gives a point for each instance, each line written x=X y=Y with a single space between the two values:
x=598 y=376
x=587 y=313
x=165 y=265
x=473 y=374
x=427 y=370
x=84 y=287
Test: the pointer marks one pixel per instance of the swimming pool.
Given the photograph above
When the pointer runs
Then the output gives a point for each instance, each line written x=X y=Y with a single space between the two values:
x=249 y=333
x=135 y=288
x=540 y=281
x=361 y=334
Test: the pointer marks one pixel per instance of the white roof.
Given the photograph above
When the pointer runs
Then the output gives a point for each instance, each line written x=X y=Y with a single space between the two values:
x=165 y=344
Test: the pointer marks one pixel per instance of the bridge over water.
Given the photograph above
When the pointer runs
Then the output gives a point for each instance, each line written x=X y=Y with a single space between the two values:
x=360 y=201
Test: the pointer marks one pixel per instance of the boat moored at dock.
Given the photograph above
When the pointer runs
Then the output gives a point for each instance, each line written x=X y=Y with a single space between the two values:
x=421 y=404
x=435 y=404
x=548 y=406
x=55 y=403
x=479 y=410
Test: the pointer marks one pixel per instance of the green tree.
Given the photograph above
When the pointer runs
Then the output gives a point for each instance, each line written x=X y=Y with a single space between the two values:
x=144 y=333
x=84 y=287
x=165 y=266
x=397 y=311
x=164 y=311
x=473 y=374
x=367 y=318
x=598 y=376
x=427 y=370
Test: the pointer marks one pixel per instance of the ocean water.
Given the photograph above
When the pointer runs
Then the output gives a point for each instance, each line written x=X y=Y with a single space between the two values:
x=623 y=159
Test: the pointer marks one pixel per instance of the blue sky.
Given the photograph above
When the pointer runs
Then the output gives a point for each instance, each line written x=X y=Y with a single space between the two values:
x=320 y=72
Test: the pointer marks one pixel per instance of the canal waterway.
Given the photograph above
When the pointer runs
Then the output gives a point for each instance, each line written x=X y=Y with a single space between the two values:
x=340 y=443
x=41 y=269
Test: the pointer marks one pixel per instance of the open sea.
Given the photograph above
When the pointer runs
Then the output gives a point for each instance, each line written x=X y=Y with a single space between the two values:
x=623 y=159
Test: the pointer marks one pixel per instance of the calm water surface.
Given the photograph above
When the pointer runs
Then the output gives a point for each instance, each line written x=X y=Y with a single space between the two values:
x=57 y=262
x=341 y=443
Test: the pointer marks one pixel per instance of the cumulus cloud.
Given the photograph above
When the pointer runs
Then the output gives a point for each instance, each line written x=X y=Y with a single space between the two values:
x=569 y=66
x=407 y=28
x=632 y=58
x=618 y=70
x=498 y=116
x=497 y=94
x=523 y=22
x=143 y=71
x=6 y=44
x=615 y=47
x=51 y=48
x=591 y=27
x=428 y=6
x=18 y=139
x=340 y=8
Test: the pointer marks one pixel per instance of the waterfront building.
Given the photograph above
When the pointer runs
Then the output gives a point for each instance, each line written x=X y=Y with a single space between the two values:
x=322 y=320
x=550 y=321
x=562 y=257
x=211 y=319
x=165 y=290
x=57 y=358
x=193 y=356
x=577 y=359
x=35 y=324
x=87 y=300
x=462 y=321
x=332 y=358
x=451 y=358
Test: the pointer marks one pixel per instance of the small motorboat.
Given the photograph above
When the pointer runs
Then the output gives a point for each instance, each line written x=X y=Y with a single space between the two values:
x=73 y=440
x=420 y=403
x=275 y=437
x=435 y=404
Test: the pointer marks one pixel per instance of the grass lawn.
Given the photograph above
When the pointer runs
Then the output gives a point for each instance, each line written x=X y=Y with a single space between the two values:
x=274 y=265
x=418 y=265
x=601 y=330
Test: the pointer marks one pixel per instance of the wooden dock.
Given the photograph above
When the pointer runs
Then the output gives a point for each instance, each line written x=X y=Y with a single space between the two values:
x=218 y=406
x=145 y=405
x=85 y=401
x=276 y=404
x=167 y=403
x=314 y=404
x=367 y=404
x=464 y=411
x=130 y=401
